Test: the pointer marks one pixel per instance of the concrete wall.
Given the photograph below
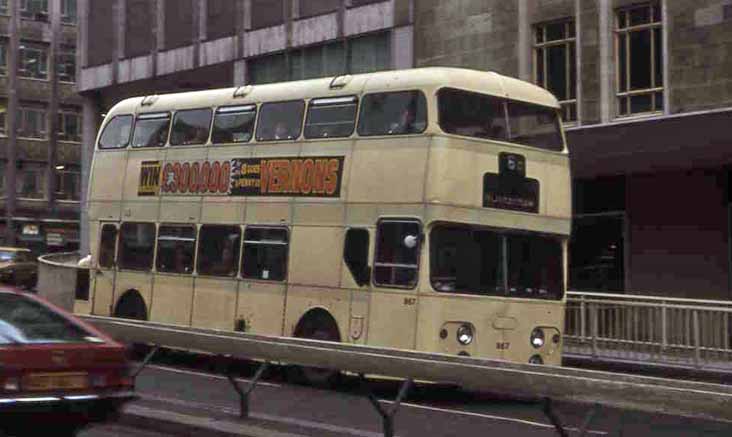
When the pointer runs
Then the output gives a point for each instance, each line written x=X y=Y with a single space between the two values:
x=178 y=23
x=477 y=34
x=678 y=234
x=57 y=279
x=140 y=17
x=700 y=54
x=100 y=48
x=221 y=17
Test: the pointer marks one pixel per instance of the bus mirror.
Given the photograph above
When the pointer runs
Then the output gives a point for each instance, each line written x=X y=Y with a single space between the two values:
x=410 y=241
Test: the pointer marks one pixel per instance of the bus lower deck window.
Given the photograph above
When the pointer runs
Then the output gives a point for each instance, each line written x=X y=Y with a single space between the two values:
x=396 y=262
x=136 y=244
x=107 y=244
x=265 y=253
x=218 y=250
x=175 y=249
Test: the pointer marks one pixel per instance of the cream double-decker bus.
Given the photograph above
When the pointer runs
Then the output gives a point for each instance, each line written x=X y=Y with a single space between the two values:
x=424 y=209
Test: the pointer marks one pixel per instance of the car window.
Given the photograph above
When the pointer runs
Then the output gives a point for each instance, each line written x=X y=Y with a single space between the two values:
x=6 y=256
x=25 y=321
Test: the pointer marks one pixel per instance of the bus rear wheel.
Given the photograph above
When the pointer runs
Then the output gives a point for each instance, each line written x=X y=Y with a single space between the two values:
x=317 y=325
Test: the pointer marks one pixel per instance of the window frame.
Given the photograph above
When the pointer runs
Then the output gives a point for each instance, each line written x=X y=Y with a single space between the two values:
x=61 y=128
x=151 y=116
x=235 y=109
x=27 y=47
x=64 y=54
x=194 y=250
x=100 y=146
x=623 y=28
x=363 y=98
x=286 y=261
x=22 y=119
x=331 y=102
x=568 y=42
x=150 y=268
x=3 y=57
x=61 y=191
x=260 y=111
x=375 y=263
x=175 y=118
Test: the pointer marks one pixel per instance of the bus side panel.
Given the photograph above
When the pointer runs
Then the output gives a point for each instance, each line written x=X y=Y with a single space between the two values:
x=86 y=306
x=261 y=306
x=108 y=177
x=392 y=318
x=403 y=172
x=130 y=280
x=438 y=312
x=214 y=303
x=171 y=299
x=302 y=298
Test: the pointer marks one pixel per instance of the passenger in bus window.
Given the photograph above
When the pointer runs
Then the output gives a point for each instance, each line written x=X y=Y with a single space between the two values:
x=280 y=132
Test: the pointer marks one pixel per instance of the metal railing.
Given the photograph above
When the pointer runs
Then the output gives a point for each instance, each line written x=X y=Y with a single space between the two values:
x=547 y=383
x=685 y=333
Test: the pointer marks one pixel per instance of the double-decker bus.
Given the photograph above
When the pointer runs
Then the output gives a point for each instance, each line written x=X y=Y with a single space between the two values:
x=424 y=209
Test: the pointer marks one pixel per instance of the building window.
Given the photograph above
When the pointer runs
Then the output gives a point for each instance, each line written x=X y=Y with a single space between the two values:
x=68 y=11
x=69 y=126
x=369 y=53
x=33 y=61
x=67 y=183
x=268 y=69
x=4 y=7
x=3 y=58
x=31 y=123
x=639 y=55
x=30 y=181
x=66 y=64
x=555 y=63
x=34 y=9
x=2 y=120
x=318 y=61
x=2 y=179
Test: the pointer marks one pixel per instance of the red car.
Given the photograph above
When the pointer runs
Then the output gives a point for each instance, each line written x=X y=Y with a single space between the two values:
x=56 y=372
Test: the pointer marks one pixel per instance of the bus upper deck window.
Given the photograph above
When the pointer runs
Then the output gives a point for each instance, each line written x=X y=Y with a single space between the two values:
x=151 y=130
x=534 y=125
x=191 y=127
x=395 y=113
x=233 y=124
x=331 y=117
x=472 y=114
x=116 y=133
x=280 y=121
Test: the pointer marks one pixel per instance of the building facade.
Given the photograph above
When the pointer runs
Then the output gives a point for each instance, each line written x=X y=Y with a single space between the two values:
x=645 y=86
x=40 y=125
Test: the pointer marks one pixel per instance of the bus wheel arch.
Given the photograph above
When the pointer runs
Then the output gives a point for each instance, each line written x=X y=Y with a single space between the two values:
x=131 y=305
x=317 y=324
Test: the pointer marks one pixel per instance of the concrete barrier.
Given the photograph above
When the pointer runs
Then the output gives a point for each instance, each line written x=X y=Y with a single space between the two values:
x=60 y=278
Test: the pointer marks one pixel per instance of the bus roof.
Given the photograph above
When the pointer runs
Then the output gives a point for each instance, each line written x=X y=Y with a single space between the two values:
x=429 y=77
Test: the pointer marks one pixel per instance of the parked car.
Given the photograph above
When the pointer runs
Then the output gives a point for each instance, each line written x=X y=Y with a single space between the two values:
x=57 y=372
x=18 y=267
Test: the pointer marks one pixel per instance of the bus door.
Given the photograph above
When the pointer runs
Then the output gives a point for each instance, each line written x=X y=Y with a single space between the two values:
x=357 y=278
x=103 y=272
x=393 y=308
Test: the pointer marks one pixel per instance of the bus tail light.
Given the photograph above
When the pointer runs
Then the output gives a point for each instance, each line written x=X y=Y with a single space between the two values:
x=11 y=384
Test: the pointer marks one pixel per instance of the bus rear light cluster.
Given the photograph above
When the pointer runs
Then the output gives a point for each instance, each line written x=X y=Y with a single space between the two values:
x=465 y=334
x=537 y=338
x=11 y=384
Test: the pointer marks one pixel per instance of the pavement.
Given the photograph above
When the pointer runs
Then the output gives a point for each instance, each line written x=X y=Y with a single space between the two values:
x=194 y=401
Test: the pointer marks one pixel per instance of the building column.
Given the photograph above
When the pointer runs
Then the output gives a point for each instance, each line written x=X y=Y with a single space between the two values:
x=605 y=13
x=524 y=40
x=52 y=114
x=12 y=120
x=90 y=111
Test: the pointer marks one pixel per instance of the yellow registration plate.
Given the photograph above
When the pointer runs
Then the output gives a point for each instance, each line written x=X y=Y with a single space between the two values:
x=55 y=381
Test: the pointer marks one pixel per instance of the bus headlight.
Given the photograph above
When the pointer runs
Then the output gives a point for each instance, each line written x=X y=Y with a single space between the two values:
x=465 y=334
x=537 y=338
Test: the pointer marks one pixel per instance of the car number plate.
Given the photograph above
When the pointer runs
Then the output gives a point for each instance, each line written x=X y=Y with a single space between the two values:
x=55 y=381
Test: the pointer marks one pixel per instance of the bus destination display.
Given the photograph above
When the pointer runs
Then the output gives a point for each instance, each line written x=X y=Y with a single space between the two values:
x=317 y=176
x=510 y=188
